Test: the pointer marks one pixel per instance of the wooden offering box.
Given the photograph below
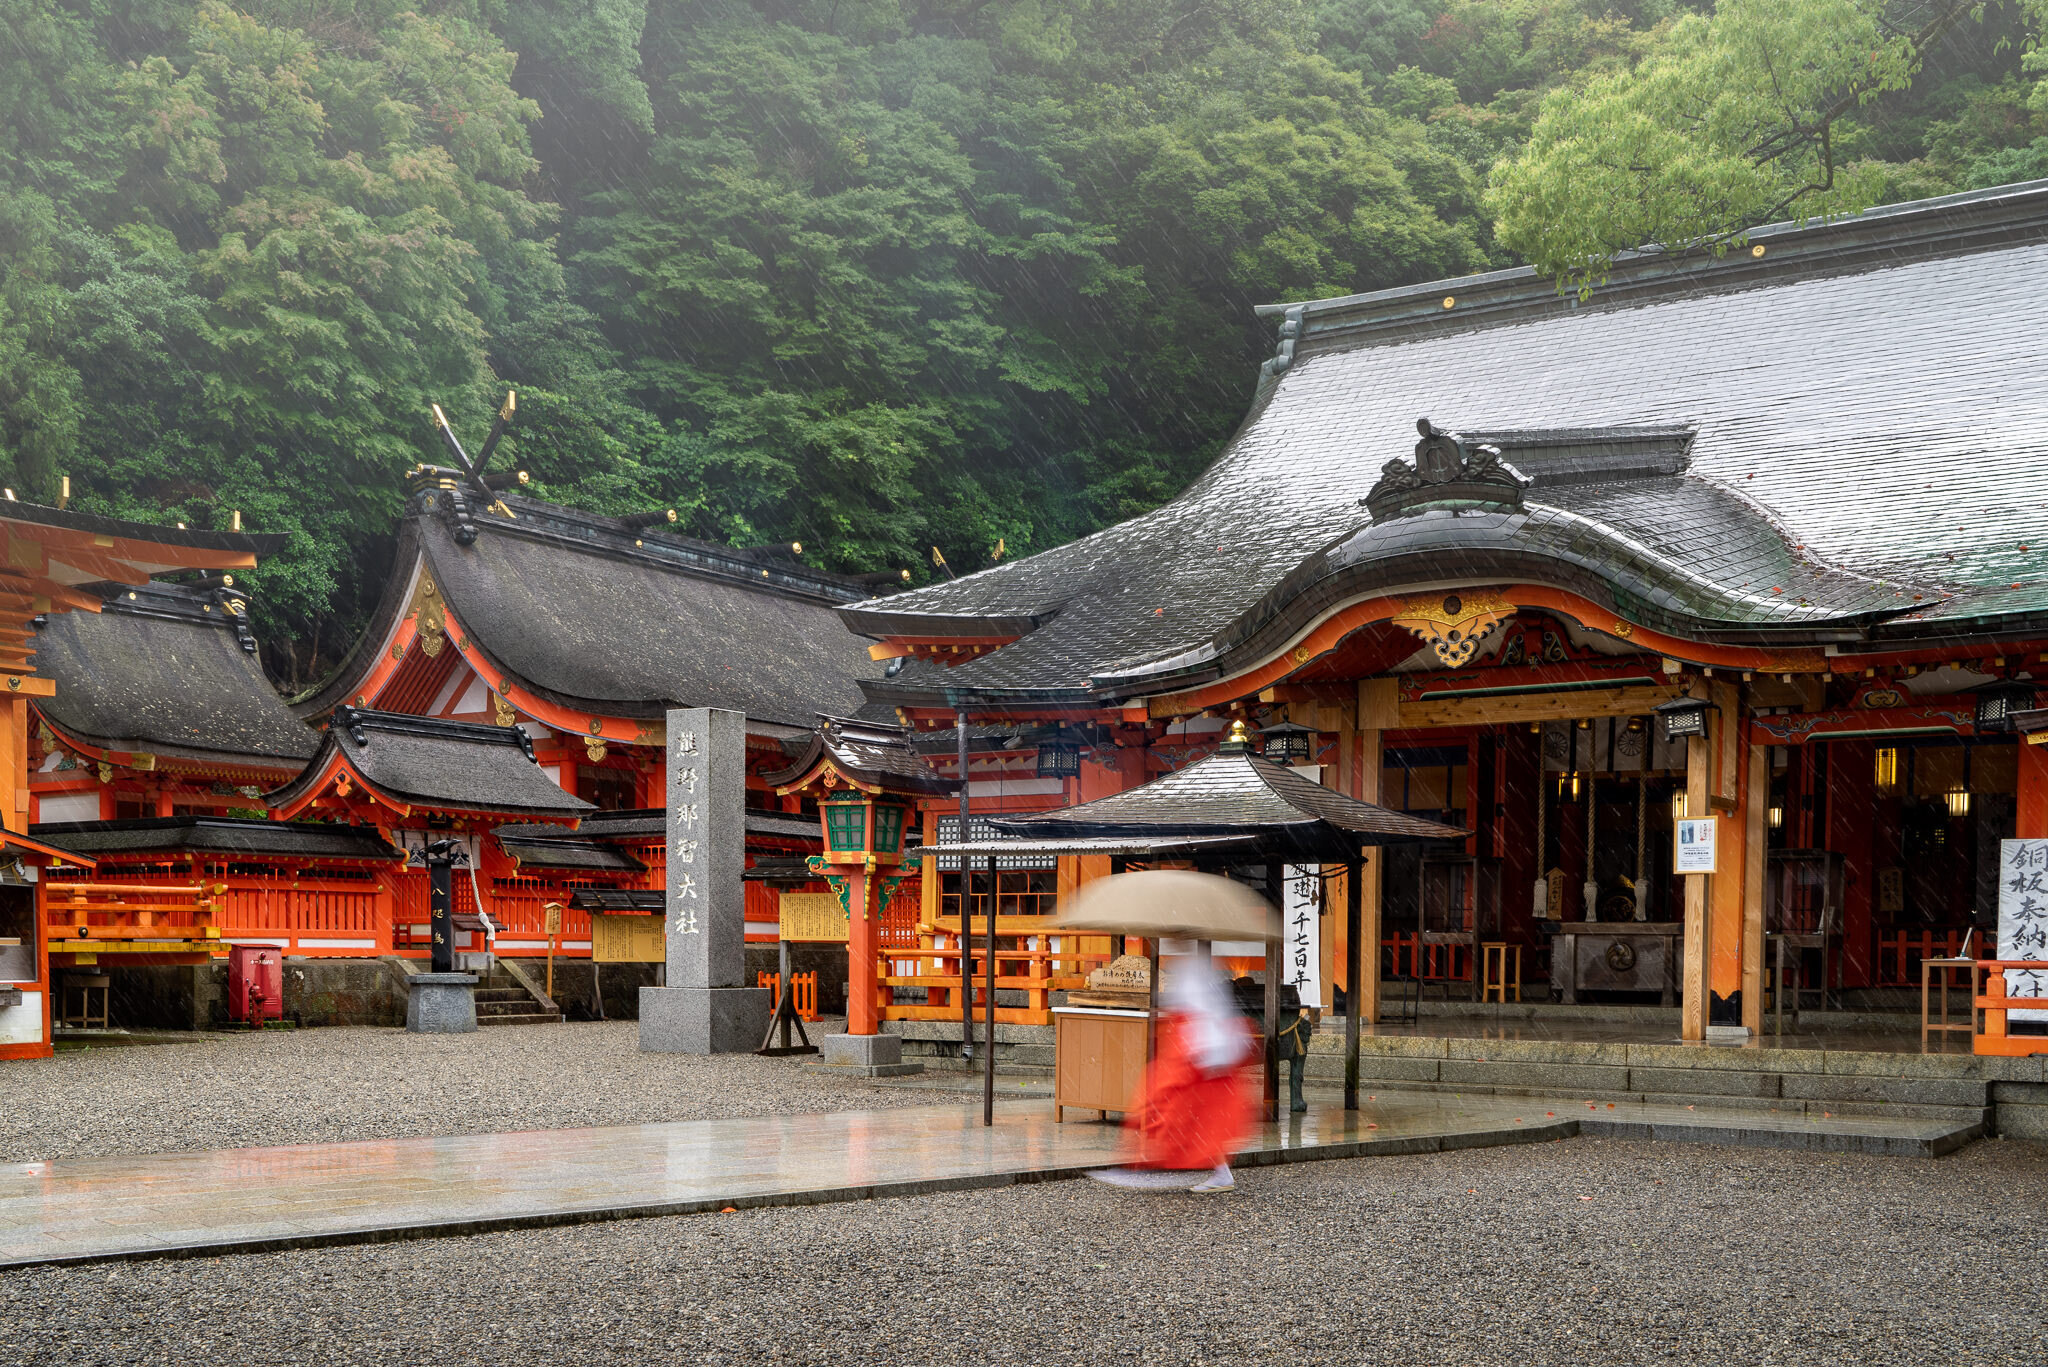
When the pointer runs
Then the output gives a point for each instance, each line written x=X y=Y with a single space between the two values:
x=1098 y=1058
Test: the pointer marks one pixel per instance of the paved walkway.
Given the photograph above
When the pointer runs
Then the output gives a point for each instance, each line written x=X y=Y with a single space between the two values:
x=244 y=1200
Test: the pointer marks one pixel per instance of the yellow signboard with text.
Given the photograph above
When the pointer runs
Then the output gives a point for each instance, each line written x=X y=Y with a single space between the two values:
x=816 y=917
x=627 y=939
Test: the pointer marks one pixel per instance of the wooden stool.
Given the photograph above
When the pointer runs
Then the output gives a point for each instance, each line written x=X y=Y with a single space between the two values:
x=1494 y=967
x=1941 y=971
x=85 y=984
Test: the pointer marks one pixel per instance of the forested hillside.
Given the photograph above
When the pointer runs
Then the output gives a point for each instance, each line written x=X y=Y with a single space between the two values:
x=872 y=274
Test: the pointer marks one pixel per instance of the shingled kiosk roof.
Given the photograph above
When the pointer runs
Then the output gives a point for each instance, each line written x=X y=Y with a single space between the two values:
x=1824 y=442
x=427 y=763
x=598 y=615
x=221 y=837
x=548 y=847
x=866 y=754
x=169 y=670
x=1234 y=792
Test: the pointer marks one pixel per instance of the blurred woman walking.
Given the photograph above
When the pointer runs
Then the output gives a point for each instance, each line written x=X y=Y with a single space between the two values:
x=1200 y=1097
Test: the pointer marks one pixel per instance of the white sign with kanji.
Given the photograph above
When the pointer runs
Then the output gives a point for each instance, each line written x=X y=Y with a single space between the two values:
x=2023 y=919
x=1301 y=932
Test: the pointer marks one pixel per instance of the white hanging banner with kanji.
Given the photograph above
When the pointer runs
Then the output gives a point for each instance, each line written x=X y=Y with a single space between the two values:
x=2023 y=919
x=1301 y=930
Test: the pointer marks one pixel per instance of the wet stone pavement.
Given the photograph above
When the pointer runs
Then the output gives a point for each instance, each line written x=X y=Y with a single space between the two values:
x=1584 y=1252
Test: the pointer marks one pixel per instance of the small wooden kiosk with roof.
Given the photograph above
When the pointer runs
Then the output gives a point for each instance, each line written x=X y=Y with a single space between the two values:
x=1222 y=813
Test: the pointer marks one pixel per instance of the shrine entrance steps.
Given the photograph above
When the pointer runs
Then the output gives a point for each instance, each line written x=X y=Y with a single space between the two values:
x=1022 y=1051
x=502 y=999
x=1807 y=1079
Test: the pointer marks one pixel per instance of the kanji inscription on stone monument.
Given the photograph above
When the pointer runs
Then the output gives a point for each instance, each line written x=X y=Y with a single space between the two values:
x=703 y=1007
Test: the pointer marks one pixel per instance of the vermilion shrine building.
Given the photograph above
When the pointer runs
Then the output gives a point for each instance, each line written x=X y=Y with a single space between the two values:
x=1801 y=485
x=1797 y=486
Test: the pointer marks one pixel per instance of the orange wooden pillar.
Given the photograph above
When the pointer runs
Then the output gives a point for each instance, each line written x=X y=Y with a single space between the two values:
x=1726 y=942
x=2031 y=820
x=863 y=950
x=1756 y=788
x=1379 y=708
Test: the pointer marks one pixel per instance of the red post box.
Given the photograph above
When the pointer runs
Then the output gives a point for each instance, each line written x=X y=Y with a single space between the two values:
x=255 y=984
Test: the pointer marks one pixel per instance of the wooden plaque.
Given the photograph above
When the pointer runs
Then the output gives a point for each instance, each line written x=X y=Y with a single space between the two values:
x=816 y=917
x=627 y=939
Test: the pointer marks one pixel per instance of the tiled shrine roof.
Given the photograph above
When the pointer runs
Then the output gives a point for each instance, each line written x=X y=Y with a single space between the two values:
x=867 y=752
x=596 y=614
x=549 y=847
x=1833 y=440
x=432 y=764
x=172 y=670
x=1235 y=793
x=223 y=837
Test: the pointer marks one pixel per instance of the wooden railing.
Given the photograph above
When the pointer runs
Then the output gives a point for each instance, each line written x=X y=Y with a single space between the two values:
x=1029 y=958
x=1991 y=1004
x=1402 y=956
x=139 y=909
x=1899 y=953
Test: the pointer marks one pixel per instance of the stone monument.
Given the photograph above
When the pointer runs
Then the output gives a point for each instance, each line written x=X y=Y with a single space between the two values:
x=704 y=1008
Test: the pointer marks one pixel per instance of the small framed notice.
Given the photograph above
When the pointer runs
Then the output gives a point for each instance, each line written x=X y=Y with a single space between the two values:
x=1693 y=849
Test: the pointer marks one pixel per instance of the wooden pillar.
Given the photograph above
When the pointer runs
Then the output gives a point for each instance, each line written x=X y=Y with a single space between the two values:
x=1728 y=944
x=1692 y=1007
x=1757 y=800
x=1849 y=820
x=1379 y=709
x=1352 y=883
x=863 y=943
x=14 y=765
x=2031 y=820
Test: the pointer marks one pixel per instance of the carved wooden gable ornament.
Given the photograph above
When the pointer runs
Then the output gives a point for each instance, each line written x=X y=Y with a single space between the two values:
x=1446 y=470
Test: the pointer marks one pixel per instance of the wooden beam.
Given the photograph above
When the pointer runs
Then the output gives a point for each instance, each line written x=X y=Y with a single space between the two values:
x=1522 y=708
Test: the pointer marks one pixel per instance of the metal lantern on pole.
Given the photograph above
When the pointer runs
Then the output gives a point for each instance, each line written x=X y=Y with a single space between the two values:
x=1059 y=756
x=862 y=829
x=1997 y=702
x=1684 y=718
x=1287 y=743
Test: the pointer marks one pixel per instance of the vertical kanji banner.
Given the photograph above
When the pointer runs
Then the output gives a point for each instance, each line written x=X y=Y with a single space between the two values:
x=1301 y=948
x=2023 y=919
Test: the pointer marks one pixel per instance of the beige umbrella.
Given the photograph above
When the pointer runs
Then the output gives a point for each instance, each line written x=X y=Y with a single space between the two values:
x=1171 y=902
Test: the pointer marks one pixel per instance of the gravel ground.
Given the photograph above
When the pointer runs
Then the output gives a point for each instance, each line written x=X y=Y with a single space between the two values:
x=312 y=1086
x=1583 y=1252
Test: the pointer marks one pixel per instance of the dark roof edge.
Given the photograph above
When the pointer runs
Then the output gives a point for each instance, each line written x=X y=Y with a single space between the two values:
x=334 y=690
x=1952 y=225
x=234 y=759
x=43 y=515
x=594 y=534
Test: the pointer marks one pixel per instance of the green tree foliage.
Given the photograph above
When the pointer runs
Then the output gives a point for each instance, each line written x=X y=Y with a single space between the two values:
x=870 y=274
x=1760 y=111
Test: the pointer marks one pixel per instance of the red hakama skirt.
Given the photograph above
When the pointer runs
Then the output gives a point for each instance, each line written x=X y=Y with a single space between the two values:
x=1184 y=1118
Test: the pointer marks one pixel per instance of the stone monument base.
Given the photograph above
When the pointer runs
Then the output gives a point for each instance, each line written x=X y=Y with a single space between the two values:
x=440 y=1003
x=703 y=1020
x=864 y=1056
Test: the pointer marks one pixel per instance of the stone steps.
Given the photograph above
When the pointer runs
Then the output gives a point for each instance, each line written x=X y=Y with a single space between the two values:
x=2008 y=1095
x=502 y=1000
